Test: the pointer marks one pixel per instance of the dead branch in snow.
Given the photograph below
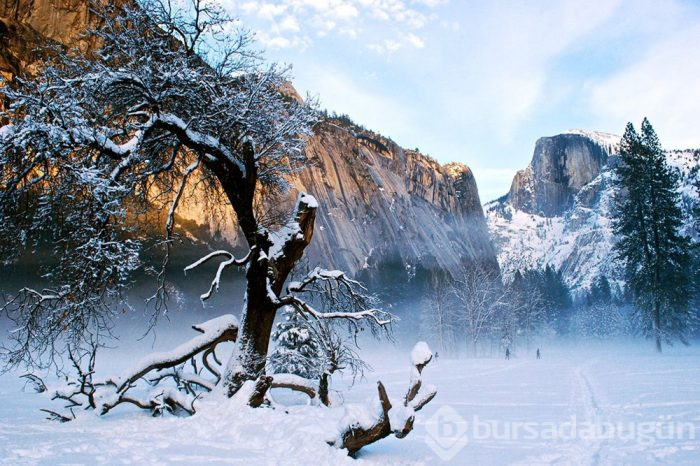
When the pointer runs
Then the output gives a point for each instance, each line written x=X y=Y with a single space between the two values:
x=357 y=434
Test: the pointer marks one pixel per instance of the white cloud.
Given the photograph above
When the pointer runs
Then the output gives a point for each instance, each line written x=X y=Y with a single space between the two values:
x=345 y=11
x=430 y=3
x=387 y=47
x=414 y=40
x=270 y=11
x=385 y=22
x=289 y=23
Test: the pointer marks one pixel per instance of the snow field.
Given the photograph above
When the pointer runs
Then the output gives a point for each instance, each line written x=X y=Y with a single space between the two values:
x=620 y=383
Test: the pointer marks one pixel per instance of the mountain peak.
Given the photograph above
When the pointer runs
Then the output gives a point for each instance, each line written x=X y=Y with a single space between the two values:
x=456 y=169
x=609 y=141
x=561 y=165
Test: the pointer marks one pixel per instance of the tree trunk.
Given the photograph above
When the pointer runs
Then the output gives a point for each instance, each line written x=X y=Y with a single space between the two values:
x=256 y=326
x=657 y=326
x=265 y=277
x=323 y=394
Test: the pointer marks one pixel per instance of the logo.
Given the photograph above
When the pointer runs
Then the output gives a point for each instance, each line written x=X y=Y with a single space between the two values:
x=446 y=433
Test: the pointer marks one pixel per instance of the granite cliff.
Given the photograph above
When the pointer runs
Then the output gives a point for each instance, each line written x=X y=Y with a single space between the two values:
x=561 y=165
x=380 y=204
x=562 y=215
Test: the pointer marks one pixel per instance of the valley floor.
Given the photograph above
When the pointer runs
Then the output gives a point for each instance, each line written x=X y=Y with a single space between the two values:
x=626 y=385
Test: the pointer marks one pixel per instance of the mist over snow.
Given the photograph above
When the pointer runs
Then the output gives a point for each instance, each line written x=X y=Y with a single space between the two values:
x=200 y=266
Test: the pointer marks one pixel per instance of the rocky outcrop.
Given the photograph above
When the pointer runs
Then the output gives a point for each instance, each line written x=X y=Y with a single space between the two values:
x=579 y=239
x=380 y=204
x=26 y=24
x=561 y=165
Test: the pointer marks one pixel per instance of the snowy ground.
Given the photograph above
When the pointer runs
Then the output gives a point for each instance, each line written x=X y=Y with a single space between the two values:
x=618 y=383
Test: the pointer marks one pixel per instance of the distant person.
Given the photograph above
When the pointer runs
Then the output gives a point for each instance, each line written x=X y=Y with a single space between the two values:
x=507 y=353
x=539 y=356
x=436 y=355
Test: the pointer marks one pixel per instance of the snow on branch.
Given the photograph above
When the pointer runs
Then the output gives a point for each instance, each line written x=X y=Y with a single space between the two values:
x=363 y=425
x=291 y=240
x=295 y=382
x=213 y=332
x=334 y=290
x=231 y=261
x=374 y=315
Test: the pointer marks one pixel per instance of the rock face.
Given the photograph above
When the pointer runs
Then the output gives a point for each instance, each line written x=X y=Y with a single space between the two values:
x=561 y=165
x=380 y=204
x=383 y=204
x=26 y=23
x=578 y=239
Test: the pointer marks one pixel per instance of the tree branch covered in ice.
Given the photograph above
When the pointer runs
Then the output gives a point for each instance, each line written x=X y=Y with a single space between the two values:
x=171 y=102
x=171 y=380
x=341 y=298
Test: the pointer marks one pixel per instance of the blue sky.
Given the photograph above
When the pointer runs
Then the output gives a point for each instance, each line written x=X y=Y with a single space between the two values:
x=479 y=81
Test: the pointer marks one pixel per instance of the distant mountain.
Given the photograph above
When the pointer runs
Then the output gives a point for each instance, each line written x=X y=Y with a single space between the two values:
x=558 y=211
x=380 y=204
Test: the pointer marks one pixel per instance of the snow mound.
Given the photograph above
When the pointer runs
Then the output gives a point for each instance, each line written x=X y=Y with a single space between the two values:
x=611 y=142
x=421 y=354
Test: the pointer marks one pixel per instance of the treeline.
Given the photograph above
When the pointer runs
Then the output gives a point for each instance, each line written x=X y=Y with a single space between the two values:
x=474 y=312
x=658 y=261
x=472 y=309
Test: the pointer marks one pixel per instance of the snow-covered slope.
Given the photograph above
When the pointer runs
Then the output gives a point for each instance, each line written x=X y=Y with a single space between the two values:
x=579 y=240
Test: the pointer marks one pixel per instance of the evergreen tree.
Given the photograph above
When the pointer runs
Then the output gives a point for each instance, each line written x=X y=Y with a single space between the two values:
x=527 y=303
x=297 y=350
x=556 y=298
x=599 y=314
x=600 y=291
x=647 y=223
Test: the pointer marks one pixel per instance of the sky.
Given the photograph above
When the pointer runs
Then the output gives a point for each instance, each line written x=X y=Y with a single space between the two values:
x=479 y=82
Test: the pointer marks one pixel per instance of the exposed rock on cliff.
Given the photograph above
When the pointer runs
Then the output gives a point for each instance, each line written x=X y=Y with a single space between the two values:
x=25 y=24
x=561 y=165
x=380 y=204
x=578 y=238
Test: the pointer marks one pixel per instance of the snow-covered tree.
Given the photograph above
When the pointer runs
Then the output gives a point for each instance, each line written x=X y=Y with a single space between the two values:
x=648 y=224
x=297 y=349
x=556 y=299
x=526 y=304
x=174 y=97
x=439 y=316
x=600 y=314
x=480 y=298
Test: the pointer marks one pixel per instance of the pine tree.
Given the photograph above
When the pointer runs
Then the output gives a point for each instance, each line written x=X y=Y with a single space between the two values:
x=647 y=224
x=297 y=350
x=600 y=315
x=600 y=291
x=557 y=299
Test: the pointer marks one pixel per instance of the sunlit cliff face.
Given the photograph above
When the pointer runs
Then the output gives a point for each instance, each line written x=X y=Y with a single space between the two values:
x=379 y=202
